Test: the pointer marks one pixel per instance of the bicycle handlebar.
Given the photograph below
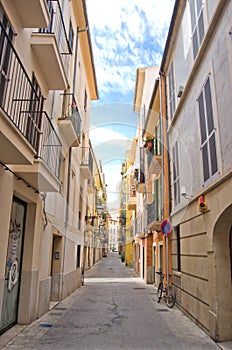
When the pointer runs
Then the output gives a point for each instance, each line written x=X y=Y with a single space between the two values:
x=161 y=273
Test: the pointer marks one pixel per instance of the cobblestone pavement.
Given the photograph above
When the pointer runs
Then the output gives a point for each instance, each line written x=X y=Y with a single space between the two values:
x=113 y=310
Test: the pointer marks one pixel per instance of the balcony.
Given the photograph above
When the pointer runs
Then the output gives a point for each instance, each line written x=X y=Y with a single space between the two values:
x=70 y=123
x=155 y=158
x=86 y=163
x=43 y=175
x=90 y=187
x=17 y=95
x=156 y=166
x=153 y=216
x=141 y=187
x=33 y=14
x=52 y=49
x=132 y=201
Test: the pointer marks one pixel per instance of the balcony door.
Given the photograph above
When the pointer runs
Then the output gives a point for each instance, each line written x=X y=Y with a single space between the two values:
x=6 y=36
x=34 y=115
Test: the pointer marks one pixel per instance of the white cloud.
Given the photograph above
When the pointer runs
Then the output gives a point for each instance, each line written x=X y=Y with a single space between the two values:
x=126 y=35
x=102 y=135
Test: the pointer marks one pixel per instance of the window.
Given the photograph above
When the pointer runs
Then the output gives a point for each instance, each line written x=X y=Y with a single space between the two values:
x=71 y=36
x=178 y=247
x=208 y=137
x=79 y=221
x=6 y=38
x=230 y=247
x=78 y=261
x=197 y=22
x=172 y=104
x=34 y=115
x=176 y=174
x=85 y=101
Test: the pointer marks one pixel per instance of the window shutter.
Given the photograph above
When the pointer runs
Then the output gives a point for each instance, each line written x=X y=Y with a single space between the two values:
x=202 y=118
x=171 y=91
x=209 y=108
x=208 y=140
x=197 y=23
x=213 y=154
x=176 y=176
x=205 y=162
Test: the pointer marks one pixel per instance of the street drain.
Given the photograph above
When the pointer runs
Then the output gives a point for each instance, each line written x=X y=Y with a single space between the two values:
x=138 y=288
x=61 y=308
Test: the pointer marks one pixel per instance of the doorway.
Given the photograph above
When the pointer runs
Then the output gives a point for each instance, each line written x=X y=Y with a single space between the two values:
x=223 y=282
x=13 y=265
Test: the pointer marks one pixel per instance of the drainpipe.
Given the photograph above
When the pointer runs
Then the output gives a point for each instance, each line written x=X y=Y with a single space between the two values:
x=66 y=215
x=69 y=172
x=166 y=177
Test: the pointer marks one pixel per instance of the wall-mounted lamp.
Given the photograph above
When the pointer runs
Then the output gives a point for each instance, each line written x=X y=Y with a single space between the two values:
x=184 y=194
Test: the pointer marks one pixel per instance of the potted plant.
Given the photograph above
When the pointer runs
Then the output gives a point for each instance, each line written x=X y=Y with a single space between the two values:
x=148 y=143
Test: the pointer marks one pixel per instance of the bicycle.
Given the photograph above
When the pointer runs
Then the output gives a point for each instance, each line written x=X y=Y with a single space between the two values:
x=170 y=292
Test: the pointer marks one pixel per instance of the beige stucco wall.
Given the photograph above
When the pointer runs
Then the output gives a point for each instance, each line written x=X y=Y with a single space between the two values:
x=205 y=262
x=204 y=280
x=46 y=219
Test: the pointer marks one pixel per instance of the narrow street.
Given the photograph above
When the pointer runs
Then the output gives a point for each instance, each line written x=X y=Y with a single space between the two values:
x=113 y=310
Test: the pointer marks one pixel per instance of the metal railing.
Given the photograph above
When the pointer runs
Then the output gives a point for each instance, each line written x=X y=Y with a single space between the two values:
x=19 y=100
x=50 y=145
x=70 y=111
x=87 y=158
x=57 y=27
x=17 y=93
x=155 y=150
x=153 y=213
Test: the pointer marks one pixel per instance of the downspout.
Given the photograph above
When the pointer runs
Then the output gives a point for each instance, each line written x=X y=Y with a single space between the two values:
x=69 y=172
x=166 y=175
x=66 y=213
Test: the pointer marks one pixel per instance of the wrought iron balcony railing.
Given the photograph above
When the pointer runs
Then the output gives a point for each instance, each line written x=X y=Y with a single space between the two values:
x=21 y=103
x=155 y=150
x=57 y=27
x=50 y=146
x=87 y=160
x=70 y=111
x=153 y=212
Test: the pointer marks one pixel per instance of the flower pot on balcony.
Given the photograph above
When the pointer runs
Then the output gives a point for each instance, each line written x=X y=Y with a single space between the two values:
x=149 y=145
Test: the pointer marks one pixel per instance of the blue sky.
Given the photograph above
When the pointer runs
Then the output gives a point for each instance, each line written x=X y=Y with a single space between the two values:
x=125 y=35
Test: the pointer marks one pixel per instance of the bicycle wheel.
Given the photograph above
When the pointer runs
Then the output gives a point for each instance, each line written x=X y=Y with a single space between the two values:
x=159 y=292
x=170 y=296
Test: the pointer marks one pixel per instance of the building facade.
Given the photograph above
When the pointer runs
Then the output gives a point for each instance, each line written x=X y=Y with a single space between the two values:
x=197 y=72
x=47 y=82
x=149 y=250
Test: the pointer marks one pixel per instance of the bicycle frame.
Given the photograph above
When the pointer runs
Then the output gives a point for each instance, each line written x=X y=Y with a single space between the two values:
x=168 y=291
